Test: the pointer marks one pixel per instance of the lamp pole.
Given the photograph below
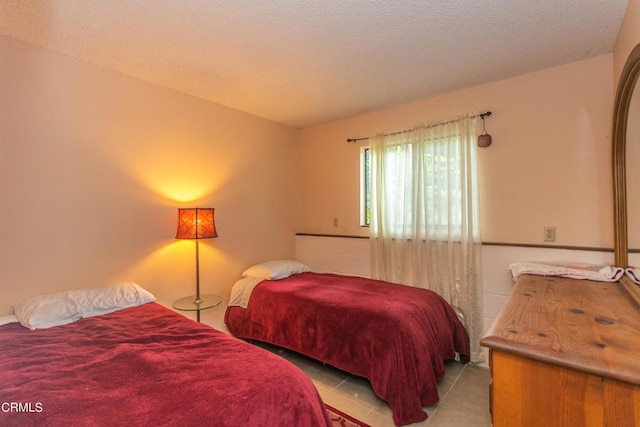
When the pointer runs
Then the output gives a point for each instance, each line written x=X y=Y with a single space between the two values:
x=198 y=301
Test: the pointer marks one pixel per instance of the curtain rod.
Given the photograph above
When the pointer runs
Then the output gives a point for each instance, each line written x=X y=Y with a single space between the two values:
x=482 y=115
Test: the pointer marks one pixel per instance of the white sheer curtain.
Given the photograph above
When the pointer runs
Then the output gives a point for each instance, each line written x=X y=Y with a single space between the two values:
x=425 y=228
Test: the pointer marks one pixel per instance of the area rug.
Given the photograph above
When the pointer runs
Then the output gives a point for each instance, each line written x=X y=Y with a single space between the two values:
x=339 y=418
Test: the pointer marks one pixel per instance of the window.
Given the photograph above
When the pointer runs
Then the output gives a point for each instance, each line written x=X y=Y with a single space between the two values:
x=421 y=184
x=436 y=185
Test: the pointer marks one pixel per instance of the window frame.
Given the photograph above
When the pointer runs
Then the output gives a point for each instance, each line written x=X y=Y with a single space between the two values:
x=365 y=186
x=443 y=228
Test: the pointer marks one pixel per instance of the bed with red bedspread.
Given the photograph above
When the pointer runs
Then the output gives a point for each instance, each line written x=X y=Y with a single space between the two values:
x=147 y=365
x=396 y=336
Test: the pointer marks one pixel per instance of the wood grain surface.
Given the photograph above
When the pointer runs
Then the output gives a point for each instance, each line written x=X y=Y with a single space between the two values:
x=588 y=326
x=565 y=352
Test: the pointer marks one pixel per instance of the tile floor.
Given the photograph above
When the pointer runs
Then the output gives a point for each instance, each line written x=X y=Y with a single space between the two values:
x=464 y=394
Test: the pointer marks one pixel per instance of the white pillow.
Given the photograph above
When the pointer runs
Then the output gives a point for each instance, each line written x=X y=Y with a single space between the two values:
x=274 y=270
x=60 y=308
x=11 y=318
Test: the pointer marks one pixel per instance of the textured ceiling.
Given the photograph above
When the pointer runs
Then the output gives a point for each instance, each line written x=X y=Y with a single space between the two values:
x=307 y=62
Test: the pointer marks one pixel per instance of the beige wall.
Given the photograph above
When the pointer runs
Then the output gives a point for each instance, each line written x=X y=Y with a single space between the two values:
x=549 y=163
x=94 y=164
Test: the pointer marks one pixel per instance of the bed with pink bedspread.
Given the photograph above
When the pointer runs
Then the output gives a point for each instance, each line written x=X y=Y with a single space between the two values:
x=396 y=336
x=147 y=365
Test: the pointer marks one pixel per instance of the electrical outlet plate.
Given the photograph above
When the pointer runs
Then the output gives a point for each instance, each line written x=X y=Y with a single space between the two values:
x=549 y=233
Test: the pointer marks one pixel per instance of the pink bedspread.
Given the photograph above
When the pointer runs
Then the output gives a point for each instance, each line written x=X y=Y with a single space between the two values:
x=396 y=336
x=148 y=366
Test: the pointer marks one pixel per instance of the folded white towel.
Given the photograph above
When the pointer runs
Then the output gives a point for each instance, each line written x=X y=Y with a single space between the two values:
x=634 y=274
x=574 y=270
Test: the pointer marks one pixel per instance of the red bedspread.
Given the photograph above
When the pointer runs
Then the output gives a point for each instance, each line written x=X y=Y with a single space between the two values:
x=396 y=336
x=148 y=366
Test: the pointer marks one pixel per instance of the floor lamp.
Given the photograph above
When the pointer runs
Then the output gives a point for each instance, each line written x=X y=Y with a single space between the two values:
x=196 y=224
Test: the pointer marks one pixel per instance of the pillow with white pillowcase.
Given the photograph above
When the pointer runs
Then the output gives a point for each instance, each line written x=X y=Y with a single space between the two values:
x=46 y=311
x=274 y=270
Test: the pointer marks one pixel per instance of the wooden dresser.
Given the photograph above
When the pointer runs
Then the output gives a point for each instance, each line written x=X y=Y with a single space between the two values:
x=565 y=352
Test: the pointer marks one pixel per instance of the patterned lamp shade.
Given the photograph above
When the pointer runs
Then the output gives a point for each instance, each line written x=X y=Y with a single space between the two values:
x=196 y=223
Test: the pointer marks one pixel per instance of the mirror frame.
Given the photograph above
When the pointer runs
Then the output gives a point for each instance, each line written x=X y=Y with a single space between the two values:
x=626 y=85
